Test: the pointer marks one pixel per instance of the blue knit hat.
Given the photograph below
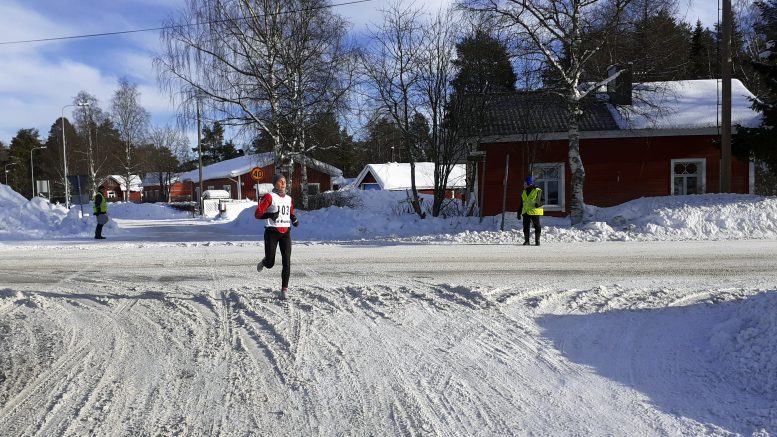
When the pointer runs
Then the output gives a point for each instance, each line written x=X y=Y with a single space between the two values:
x=276 y=177
x=529 y=180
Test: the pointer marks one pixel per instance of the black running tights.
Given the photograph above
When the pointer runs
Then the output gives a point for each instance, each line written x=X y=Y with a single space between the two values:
x=272 y=239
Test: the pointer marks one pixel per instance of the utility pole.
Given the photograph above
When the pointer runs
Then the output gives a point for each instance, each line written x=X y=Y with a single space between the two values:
x=725 y=133
x=199 y=152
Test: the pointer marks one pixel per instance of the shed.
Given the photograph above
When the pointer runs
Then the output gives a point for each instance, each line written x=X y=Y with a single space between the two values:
x=395 y=176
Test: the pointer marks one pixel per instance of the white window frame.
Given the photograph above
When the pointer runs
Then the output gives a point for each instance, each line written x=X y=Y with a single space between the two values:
x=701 y=165
x=561 y=184
x=110 y=194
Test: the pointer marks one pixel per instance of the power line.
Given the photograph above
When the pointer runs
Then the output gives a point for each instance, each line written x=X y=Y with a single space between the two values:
x=152 y=29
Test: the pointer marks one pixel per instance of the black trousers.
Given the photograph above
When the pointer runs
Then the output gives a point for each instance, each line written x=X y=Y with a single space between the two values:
x=529 y=220
x=98 y=231
x=273 y=239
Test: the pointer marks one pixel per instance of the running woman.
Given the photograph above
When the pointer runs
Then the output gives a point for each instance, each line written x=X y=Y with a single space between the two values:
x=278 y=211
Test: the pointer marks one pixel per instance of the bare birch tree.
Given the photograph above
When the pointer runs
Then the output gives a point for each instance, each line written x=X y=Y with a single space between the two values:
x=319 y=65
x=565 y=34
x=391 y=64
x=172 y=148
x=226 y=55
x=87 y=120
x=131 y=121
x=436 y=73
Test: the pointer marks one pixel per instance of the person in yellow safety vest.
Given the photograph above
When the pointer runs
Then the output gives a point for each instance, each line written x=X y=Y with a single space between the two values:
x=100 y=209
x=531 y=210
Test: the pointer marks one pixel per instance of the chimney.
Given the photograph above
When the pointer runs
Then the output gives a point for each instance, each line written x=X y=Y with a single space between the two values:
x=620 y=89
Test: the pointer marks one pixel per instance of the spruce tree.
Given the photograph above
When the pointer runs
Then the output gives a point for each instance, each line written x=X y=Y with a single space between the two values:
x=484 y=66
x=761 y=143
x=701 y=59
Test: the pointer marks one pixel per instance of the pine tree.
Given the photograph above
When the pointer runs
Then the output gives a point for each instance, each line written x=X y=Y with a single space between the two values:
x=761 y=143
x=214 y=149
x=22 y=146
x=484 y=66
x=701 y=59
x=652 y=39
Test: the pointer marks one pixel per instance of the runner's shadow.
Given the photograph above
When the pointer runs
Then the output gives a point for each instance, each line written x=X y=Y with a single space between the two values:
x=712 y=363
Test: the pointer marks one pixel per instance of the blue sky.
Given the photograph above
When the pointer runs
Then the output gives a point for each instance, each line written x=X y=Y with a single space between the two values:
x=37 y=79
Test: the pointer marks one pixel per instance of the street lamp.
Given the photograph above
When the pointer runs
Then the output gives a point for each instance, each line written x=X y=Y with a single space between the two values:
x=6 y=171
x=32 y=170
x=64 y=151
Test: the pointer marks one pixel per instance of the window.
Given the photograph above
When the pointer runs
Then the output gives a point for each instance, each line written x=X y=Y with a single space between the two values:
x=228 y=188
x=550 y=179
x=314 y=189
x=688 y=176
x=211 y=187
x=111 y=194
x=370 y=187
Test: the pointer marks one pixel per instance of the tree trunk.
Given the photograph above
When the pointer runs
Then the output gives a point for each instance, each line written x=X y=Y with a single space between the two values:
x=303 y=184
x=577 y=205
x=415 y=201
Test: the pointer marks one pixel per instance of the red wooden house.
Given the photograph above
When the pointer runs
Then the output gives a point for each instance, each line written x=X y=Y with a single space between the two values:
x=178 y=191
x=116 y=189
x=248 y=176
x=664 y=143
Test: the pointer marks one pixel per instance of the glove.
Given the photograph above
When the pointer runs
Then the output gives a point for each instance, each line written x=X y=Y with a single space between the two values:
x=271 y=215
x=294 y=221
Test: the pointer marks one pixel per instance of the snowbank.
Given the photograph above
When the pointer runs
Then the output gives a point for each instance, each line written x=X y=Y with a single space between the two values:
x=381 y=214
x=676 y=218
x=745 y=346
x=22 y=219
x=386 y=215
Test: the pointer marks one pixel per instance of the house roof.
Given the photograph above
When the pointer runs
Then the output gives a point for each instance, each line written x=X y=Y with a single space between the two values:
x=676 y=105
x=686 y=104
x=396 y=175
x=527 y=112
x=243 y=164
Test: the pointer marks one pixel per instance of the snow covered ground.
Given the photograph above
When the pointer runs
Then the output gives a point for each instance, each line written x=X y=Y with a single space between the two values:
x=657 y=318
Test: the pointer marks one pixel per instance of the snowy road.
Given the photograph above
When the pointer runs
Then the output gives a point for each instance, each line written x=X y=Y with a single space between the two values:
x=142 y=338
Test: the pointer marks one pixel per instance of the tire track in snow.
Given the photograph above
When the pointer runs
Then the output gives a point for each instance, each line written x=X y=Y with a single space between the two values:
x=35 y=393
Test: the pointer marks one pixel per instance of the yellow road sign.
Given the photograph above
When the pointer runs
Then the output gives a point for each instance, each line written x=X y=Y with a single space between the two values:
x=257 y=173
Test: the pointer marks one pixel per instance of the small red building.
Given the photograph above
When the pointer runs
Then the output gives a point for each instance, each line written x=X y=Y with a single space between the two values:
x=246 y=177
x=153 y=192
x=116 y=189
x=665 y=143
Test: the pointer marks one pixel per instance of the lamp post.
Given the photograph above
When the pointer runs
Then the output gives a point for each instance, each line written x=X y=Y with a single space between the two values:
x=64 y=151
x=6 y=171
x=32 y=170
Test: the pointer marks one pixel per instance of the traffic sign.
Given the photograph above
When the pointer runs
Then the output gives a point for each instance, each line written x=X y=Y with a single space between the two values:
x=257 y=173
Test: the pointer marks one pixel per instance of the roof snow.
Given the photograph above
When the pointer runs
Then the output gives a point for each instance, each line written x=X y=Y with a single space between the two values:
x=243 y=164
x=685 y=104
x=230 y=168
x=396 y=175
x=135 y=185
